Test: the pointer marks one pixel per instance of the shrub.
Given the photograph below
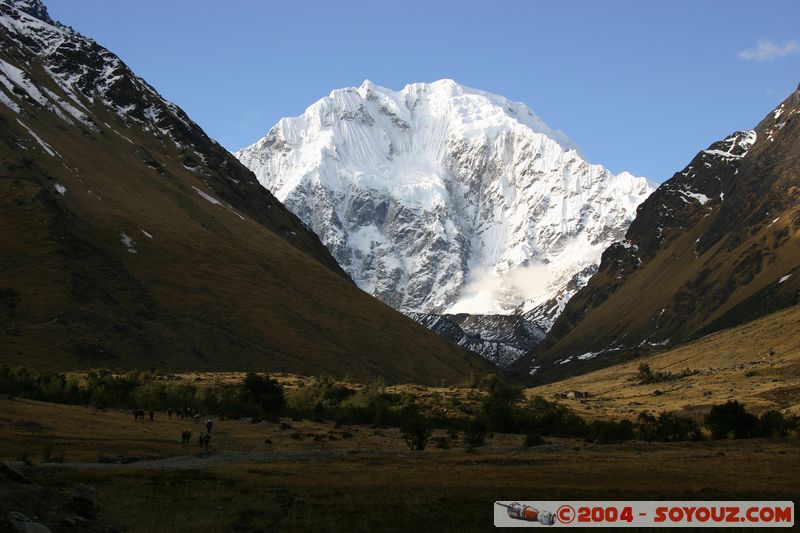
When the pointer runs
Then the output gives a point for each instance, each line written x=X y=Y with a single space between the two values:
x=646 y=375
x=774 y=424
x=731 y=420
x=112 y=391
x=475 y=434
x=263 y=392
x=667 y=427
x=161 y=396
x=415 y=429
x=499 y=407
x=442 y=443
x=533 y=439
x=550 y=418
x=318 y=400
x=370 y=405
x=607 y=432
x=647 y=427
x=45 y=386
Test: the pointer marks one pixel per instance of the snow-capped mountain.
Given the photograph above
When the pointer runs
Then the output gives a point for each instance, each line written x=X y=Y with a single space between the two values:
x=444 y=199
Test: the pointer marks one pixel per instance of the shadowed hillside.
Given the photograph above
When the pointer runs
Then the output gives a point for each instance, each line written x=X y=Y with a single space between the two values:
x=715 y=246
x=131 y=240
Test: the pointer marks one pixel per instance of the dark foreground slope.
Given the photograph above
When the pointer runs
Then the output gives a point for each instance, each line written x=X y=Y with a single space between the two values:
x=715 y=246
x=131 y=240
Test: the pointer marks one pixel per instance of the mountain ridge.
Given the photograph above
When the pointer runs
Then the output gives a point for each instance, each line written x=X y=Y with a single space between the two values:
x=715 y=246
x=133 y=241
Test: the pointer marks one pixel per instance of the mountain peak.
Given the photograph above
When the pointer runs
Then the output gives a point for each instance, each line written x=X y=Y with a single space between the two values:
x=34 y=8
x=443 y=198
x=474 y=111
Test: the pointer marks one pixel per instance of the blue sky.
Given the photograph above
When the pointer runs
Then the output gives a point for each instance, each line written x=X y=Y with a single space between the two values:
x=639 y=86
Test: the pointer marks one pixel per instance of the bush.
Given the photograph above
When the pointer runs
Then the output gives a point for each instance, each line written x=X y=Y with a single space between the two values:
x=553 y=419
x=44 y=386
x=608 y=432
x=106 y=390
x=647 y=375
x=442 y=443
x=644 y=374
x=647 y=427
x=731 y=420
x=263 y=392
x=370 y=405
x=161 y=396
x=475 y=435
x=667 y=427
x=319 y=400
x=533 y=439
x=415 y=429
x=774 y=424
x=499 y=407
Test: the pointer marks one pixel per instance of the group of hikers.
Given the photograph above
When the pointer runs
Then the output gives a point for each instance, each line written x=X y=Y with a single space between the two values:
x=205 y=436
x=138 y=415
x=203 y=440
x=186 y=413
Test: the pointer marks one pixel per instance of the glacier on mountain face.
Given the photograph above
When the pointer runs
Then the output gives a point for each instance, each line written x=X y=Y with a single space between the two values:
x=441 y=199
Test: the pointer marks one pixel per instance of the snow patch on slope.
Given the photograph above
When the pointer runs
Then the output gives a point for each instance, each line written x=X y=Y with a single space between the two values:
x=46 y=147
x=127 y=242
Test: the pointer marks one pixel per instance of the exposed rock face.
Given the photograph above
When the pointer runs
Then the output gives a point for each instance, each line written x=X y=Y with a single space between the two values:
x=501 y=339
x=715 y=246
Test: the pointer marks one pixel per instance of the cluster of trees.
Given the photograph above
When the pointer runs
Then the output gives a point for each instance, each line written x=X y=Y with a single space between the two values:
x=731 y=420
x=325 y=399
x=502 y=408
x=255 y=396
x=42 y=386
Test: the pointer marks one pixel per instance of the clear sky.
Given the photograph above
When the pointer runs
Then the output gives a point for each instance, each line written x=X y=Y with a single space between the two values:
x=638 y=85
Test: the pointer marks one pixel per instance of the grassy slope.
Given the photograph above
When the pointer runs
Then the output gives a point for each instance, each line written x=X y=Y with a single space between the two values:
x=757 y=363
x=215 y=288
x=698 y=268
x=210 y=290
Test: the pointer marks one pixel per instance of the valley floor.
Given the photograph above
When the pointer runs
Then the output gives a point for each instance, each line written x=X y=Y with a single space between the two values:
x=361 y=479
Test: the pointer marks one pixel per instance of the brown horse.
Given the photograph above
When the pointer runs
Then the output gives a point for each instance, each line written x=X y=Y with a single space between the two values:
x=138 y=414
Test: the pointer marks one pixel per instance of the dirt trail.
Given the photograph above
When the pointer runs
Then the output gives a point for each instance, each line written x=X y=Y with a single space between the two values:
x=211 y=459
x=198 y=461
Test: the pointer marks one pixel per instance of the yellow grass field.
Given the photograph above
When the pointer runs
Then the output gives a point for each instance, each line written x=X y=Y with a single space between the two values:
x=757 y=363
